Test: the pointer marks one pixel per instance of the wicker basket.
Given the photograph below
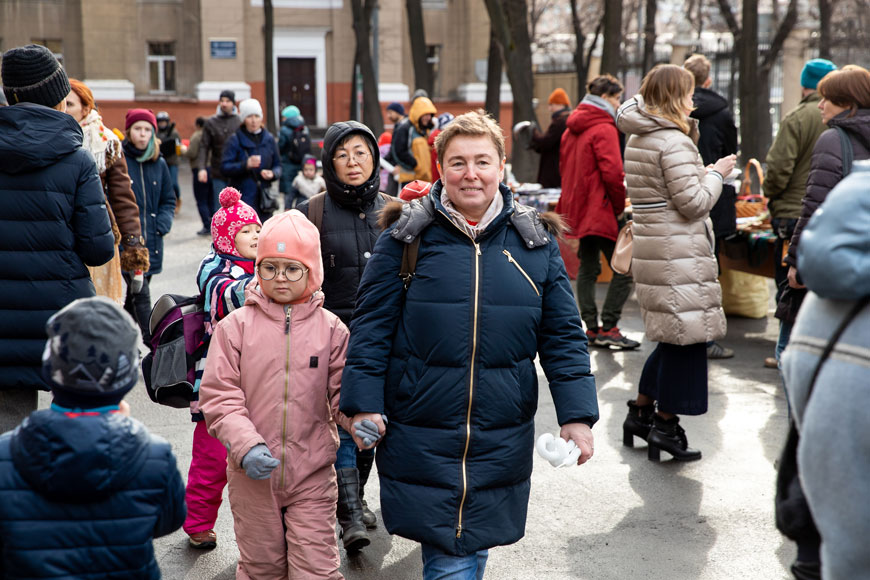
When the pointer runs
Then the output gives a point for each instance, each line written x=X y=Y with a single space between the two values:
x=751 y=204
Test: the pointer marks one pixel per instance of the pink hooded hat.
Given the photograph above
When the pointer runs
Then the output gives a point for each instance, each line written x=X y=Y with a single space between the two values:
x=290 y=235
x=233 y=215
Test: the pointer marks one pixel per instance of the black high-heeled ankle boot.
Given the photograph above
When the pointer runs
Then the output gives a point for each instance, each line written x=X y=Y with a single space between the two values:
x=638 y=422
x=667 y=435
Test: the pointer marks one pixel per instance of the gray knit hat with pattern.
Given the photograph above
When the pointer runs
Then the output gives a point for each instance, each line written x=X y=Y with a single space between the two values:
x=31 y=74
x=91 y=358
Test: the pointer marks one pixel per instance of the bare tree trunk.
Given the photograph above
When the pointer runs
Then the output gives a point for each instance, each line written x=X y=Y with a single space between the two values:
x=362 y=18
x=268 y=34
x=579 y=40
x=611 y=57
x=749 y=82
x=649 y=35
x=422 y=78
x=509 y=20
x=494 y=67
x=826 y=8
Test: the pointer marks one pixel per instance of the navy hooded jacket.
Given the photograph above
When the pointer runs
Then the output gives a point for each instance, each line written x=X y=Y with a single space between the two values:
x=152 y=185
x=83 y=497
x=53 y=222
x=451 y=361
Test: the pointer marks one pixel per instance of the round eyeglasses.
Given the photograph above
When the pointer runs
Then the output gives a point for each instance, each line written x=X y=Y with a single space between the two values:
x=292 y=273
x=358 y=157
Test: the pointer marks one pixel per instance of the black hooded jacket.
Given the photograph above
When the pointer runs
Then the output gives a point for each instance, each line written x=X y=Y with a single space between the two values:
x=350 y=222
x=718 y=138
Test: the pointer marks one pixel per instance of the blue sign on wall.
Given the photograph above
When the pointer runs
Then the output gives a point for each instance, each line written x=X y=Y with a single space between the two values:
x=223 y=48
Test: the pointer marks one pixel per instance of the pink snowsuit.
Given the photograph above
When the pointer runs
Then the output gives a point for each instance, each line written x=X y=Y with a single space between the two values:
x=273 y=377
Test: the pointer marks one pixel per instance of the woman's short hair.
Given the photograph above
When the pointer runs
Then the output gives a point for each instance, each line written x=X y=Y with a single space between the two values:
x=83 y=92
x=663 y=90
x=848 y=87
x=604 y=86
x=471 y=124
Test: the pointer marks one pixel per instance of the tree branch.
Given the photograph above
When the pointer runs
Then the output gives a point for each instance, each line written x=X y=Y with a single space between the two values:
x=730 y=19
x=782 y=32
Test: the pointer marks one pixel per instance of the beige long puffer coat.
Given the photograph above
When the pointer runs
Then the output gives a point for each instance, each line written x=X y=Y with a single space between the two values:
x=671 y=193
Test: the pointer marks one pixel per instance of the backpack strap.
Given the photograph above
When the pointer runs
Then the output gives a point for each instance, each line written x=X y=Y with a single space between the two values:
x=409 y=261
x=847 y=153
x=841 y=328
x=315 y=209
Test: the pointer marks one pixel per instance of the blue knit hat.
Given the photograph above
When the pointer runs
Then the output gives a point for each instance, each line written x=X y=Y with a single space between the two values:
x=814 y=70
x=290 y=112
x=397 y=107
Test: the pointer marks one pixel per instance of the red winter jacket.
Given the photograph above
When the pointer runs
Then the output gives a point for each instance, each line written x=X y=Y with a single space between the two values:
x=593 y=191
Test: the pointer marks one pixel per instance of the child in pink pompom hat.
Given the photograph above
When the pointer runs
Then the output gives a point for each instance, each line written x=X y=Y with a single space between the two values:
x=223 y=275
x=229 y=220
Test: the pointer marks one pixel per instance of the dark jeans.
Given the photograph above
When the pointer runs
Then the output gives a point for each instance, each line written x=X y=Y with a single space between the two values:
x=206 y=199
x=590 y=267
x=139 y=306
x=676 y=378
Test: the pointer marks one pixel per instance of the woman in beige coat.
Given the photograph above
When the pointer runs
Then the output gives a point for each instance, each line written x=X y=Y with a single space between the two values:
x=673 y=263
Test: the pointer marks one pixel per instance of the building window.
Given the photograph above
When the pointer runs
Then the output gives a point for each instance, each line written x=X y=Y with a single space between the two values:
x=161 y=66
x=55 y=45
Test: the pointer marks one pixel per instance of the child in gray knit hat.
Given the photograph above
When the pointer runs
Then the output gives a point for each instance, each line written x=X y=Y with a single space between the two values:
x=84 y=469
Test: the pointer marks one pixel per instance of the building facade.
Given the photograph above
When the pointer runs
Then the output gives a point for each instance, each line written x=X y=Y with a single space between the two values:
x=178 y=55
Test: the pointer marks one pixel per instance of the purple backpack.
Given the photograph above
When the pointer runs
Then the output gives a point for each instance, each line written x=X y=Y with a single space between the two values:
x=177 y=331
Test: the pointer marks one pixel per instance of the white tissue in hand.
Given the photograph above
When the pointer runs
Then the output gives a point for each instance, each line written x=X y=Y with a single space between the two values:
x=557 y=451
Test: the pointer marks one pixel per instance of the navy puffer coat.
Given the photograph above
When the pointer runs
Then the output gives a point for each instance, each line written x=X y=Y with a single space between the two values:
x=452 y=364
x=234 y=165
x=53 y=221
x=152 y=185
x=83 y=497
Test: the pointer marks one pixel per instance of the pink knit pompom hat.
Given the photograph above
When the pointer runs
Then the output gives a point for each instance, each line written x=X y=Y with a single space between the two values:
x=233 y=215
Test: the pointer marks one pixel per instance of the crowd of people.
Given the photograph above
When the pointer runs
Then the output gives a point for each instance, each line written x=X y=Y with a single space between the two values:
x=355 y=326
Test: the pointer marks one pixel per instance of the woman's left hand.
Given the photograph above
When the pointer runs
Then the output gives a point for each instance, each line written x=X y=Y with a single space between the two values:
x=267 y=174
x=581 y=435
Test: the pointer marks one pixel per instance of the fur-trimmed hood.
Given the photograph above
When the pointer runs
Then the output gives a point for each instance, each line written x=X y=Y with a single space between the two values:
x=409 y=219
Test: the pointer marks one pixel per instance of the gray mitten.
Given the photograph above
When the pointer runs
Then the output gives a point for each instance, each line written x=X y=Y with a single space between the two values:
x=367 y=430
x=258 y=463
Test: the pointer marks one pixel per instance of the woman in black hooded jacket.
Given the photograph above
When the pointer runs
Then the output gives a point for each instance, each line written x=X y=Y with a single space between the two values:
x=348 y=232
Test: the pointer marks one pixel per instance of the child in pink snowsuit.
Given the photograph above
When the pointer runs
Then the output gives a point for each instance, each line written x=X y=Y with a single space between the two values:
x=223 y=275
x=270 y=394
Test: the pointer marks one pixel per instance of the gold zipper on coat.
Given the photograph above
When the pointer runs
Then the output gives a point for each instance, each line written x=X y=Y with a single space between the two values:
x=520 y=268
x=286 y=395
x=477 y=254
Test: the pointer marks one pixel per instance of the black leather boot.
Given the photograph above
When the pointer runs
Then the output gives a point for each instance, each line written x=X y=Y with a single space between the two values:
x=667 y=435
x=364 y=463
x=638 y=422
x=349 y=511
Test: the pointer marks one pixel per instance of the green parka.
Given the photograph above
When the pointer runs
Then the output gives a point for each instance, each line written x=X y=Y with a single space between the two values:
x=788 y=160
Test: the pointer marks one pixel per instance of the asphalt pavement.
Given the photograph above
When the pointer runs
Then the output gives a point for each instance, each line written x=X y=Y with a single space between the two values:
x=618 y=517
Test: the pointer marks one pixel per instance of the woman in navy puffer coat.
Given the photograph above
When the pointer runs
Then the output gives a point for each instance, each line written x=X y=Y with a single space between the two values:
x=450 y=360
x=252 y=139
x=54 y=222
